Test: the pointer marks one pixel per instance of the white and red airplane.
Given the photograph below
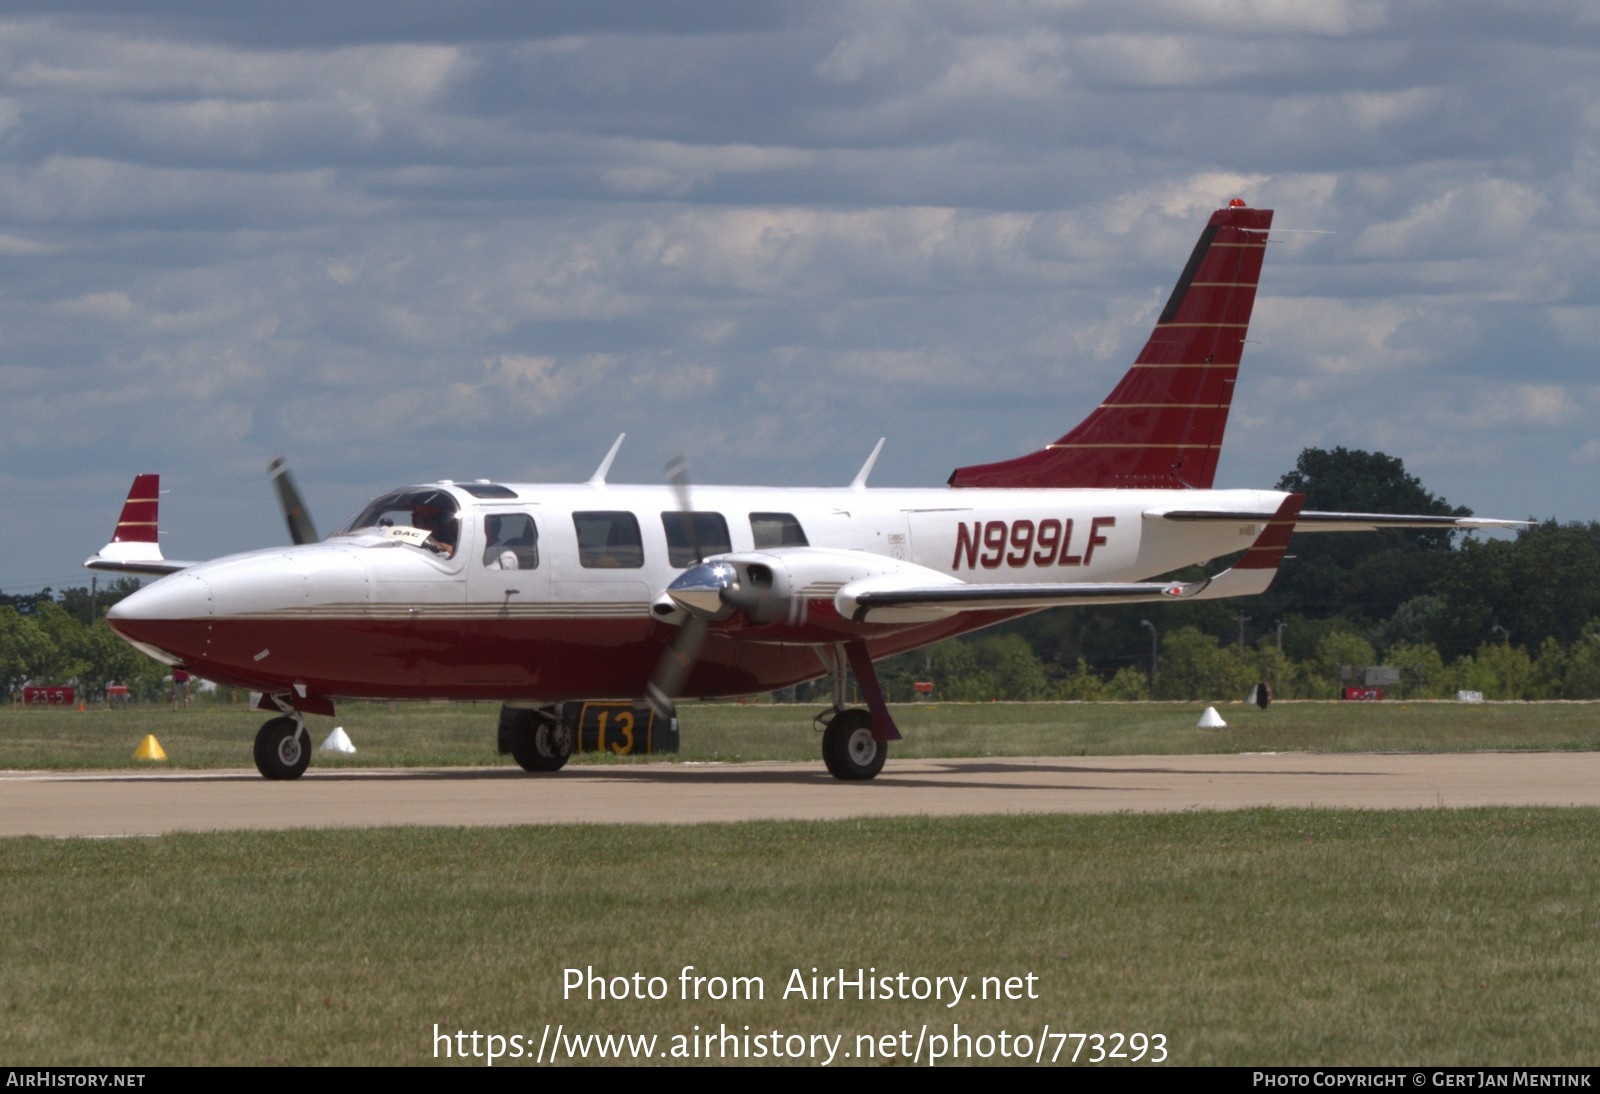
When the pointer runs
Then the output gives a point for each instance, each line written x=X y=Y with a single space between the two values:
x=542 y=597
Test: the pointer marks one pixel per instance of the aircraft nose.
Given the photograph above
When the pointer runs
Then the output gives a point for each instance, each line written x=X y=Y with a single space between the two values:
x=167 y=620
x=177 y=596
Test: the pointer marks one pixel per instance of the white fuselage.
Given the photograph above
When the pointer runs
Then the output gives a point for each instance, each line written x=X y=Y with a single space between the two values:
x=564 y=611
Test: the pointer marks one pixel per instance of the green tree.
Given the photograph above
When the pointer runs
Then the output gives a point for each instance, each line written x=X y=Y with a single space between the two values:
x=1009 y=664
x=27 y=652
x=1081 y=684
x=65 y=639
x=1337 y=651
x=1422 y=671
x=1128 y=684
x=1580 y=678
x=104 y=658
x=1195 y=666
x=86 y=605
x=1545 y=584
x=1499 y=670
x=1274 y=667
x=1368 y=574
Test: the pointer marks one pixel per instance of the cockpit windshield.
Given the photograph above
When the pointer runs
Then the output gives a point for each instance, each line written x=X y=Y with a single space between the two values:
x=427 y=508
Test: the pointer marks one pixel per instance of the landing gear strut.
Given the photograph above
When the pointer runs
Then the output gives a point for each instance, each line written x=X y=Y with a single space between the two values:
x=849 y=749
x=855 y=742
x=539 y=740
x=283 y=749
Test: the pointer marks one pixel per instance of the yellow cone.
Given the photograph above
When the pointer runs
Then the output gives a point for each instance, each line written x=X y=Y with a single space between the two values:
x=149 y=749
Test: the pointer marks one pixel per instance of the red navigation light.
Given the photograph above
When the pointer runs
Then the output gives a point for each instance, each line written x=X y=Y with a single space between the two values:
x=1237 y=203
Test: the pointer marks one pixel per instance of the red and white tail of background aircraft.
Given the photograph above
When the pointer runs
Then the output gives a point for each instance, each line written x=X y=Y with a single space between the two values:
x=545 y=597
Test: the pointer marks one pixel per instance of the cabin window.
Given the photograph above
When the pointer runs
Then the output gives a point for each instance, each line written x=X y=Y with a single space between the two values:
x=609 y=541
x=777 y=530
x=510 y=542
x=687 y=531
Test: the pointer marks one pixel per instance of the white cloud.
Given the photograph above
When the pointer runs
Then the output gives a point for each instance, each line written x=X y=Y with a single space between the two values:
x=67 y=190
x=1501 y=405
x=99 y=305
x=545 y=385
x=1342 y=342
x=1481 y=215
x=1336 y=17
x=16 y=245
x=1030 y=65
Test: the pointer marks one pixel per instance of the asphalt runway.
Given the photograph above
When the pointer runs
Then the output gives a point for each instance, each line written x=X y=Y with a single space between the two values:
x=149 y=803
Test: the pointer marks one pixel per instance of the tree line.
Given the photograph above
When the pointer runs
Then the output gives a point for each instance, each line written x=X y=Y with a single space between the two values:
x=51 y=638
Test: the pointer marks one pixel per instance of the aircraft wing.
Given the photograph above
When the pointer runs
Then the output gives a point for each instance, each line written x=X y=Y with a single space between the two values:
x=133 y=548
x=1317 y=521
x=1251 y=574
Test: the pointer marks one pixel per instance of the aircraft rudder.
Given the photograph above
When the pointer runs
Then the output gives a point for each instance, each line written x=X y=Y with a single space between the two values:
x=138 y=520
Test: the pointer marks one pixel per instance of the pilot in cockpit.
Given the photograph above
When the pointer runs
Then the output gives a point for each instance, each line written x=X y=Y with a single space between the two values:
x=443 y=526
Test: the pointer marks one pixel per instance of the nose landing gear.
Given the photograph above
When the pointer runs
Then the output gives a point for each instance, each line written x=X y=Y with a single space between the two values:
x=283 y=748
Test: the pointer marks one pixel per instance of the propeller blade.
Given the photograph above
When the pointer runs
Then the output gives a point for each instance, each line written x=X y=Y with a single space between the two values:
x=677 y=471
x=678 y=660
x=676 y=663
x=301 y=530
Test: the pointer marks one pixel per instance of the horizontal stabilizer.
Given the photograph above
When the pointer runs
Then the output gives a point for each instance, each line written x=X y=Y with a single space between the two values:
x=1317 y=521
x=155 y=567
x=1373 y=522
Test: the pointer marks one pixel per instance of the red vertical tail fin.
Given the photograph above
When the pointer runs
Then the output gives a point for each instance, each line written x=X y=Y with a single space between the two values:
x=137 y=524
x=1162 y=425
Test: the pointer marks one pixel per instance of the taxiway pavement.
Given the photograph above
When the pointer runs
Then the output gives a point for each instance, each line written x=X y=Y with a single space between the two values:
x=109 y=804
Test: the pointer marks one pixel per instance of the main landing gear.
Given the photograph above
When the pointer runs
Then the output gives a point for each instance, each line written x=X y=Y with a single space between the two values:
x=283 y=748
x=539 y=740
x=855 y=742
x=848 y=747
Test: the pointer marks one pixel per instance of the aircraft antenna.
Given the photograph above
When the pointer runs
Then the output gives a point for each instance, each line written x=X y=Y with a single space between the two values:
x=860 y=481
x=599 y=476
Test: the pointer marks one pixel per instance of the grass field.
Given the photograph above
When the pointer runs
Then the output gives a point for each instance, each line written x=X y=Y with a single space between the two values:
x=1268 y=937
x=1282 y=937
x=464 y=734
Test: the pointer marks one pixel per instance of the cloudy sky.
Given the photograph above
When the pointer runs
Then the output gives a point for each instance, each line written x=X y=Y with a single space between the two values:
x=406 y=241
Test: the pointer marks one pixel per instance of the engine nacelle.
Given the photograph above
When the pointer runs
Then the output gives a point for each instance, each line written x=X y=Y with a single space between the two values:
x=785 y=587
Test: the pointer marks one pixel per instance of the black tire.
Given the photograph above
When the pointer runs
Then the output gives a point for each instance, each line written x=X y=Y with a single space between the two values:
x=848 y=748
x=540 y=743
x=282 y=751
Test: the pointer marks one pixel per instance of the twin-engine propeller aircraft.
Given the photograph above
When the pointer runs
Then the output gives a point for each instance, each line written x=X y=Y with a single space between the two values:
x=542 y=597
